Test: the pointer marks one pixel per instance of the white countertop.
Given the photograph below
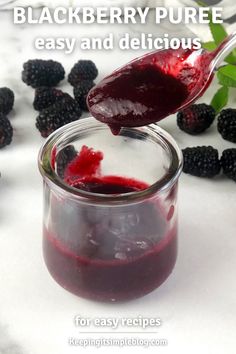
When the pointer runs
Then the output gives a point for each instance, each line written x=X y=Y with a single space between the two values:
x=197 y=304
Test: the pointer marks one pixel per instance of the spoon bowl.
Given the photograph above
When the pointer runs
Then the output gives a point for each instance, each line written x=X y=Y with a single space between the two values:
x=155 y=85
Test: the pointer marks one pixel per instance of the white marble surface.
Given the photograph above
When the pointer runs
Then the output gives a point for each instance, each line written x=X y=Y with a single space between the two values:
x=197 y=304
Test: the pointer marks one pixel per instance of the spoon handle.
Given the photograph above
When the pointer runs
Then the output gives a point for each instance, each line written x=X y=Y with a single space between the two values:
x=223 y=50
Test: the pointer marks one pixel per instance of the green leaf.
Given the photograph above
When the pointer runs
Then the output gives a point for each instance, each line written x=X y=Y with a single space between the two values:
x=227 y=75
x=220 y=98
x=231 y=58
x=219 y=34
x=201 y=3
x=217 y=30
x=209 y=46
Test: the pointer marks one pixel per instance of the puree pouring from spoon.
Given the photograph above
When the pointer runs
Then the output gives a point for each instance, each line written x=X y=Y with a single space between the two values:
x=155 y=85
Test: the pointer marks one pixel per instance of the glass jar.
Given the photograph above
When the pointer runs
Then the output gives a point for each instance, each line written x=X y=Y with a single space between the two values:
x=111 y=247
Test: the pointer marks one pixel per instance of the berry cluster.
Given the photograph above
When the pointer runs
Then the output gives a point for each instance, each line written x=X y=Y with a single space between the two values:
x=57 y=108
x=6 y=105
x=82 y=77
x=204 y=161
x=56 y=115
x=81 y=91
x=38 y=72
x=196 y=118
x=227 y=124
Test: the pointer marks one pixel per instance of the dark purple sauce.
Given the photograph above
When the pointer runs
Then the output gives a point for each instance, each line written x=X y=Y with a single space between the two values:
x=107 y=253
x=136 y=96
x=110 y=254
x=149 y=88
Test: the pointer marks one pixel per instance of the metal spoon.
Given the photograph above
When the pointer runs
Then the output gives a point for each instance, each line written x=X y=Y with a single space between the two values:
x=155 y=85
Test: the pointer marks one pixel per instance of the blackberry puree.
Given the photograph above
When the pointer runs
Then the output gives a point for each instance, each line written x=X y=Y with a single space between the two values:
x=109 y=253
x=148 y=89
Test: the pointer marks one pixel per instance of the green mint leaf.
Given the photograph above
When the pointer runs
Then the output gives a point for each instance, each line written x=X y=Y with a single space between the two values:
x=227 y=75
x=201 y=3
x=217 y=30
x=220 y=98
x=231 y=58
x=219 y=34
x=210 y=46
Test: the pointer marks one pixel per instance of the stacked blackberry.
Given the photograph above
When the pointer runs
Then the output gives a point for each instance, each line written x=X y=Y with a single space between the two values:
x=82 y=77
x=57 y=108
x=204 y=161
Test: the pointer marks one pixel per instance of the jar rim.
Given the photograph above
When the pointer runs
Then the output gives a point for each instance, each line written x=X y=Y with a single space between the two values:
x=165 y=182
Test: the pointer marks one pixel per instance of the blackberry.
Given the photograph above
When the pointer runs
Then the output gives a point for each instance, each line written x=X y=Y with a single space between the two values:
x=6 y=100
x=82 y=70
x=64 y=157
x=201 y=161
x=6 y=131
x=38 y=72
x=228 y=163
x=81 y=91
x=196 y=118
x=60 y=113
x=46 y=96
x=227 y=124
